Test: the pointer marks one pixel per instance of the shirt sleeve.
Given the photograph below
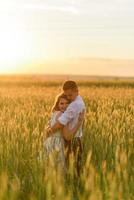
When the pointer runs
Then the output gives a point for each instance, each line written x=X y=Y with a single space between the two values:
x=69 y=114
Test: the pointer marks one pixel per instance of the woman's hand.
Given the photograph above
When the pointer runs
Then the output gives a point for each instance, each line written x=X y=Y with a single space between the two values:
x=81 y=118
x=48 y=131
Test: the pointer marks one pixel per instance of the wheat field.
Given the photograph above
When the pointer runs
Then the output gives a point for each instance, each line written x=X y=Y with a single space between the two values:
x=108 y=142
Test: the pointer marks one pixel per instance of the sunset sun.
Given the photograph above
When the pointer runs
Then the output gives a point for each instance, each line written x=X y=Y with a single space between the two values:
x=12 y=51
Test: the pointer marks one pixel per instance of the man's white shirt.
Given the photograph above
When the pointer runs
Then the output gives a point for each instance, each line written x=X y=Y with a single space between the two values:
x=71 y=115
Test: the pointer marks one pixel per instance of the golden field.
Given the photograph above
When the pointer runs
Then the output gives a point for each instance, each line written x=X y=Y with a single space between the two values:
x=108 y=141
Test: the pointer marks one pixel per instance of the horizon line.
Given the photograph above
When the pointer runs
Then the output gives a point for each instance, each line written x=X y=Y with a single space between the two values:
x=63 y=75
x=84 y=58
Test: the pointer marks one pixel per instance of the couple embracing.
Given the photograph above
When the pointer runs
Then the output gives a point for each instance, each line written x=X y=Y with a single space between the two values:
x=65 y=131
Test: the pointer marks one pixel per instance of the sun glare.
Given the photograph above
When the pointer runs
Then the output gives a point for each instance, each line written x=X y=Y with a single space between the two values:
x=11 y=51
x=16 y=45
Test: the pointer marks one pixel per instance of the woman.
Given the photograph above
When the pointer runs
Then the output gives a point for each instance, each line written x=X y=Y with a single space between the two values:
x=54 y=144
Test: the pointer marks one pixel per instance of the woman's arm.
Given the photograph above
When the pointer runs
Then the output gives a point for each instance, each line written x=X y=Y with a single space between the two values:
x=69 y=134
x=52 y=128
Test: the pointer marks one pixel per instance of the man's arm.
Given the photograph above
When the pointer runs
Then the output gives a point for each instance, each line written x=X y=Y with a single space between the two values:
x=57 y=126
x=62 y=121
x=69 y=134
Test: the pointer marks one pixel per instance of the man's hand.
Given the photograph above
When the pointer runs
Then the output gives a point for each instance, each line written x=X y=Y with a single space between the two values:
x=51 y=130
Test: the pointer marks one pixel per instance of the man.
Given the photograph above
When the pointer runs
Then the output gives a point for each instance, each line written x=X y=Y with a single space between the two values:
x=70 y=117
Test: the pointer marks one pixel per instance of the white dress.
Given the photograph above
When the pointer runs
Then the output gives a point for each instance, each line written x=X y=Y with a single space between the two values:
x=54 y=145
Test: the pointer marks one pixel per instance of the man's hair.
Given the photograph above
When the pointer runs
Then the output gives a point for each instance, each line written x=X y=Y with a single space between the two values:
x=70 y=85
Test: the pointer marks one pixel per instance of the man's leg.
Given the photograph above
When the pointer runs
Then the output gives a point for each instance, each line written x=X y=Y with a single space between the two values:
x=77 y=151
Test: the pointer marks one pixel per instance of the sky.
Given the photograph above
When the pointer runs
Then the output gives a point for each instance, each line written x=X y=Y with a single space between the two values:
x=67 y=36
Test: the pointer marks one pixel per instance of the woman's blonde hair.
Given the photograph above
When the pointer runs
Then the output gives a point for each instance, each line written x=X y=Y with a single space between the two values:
x=57 y=100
